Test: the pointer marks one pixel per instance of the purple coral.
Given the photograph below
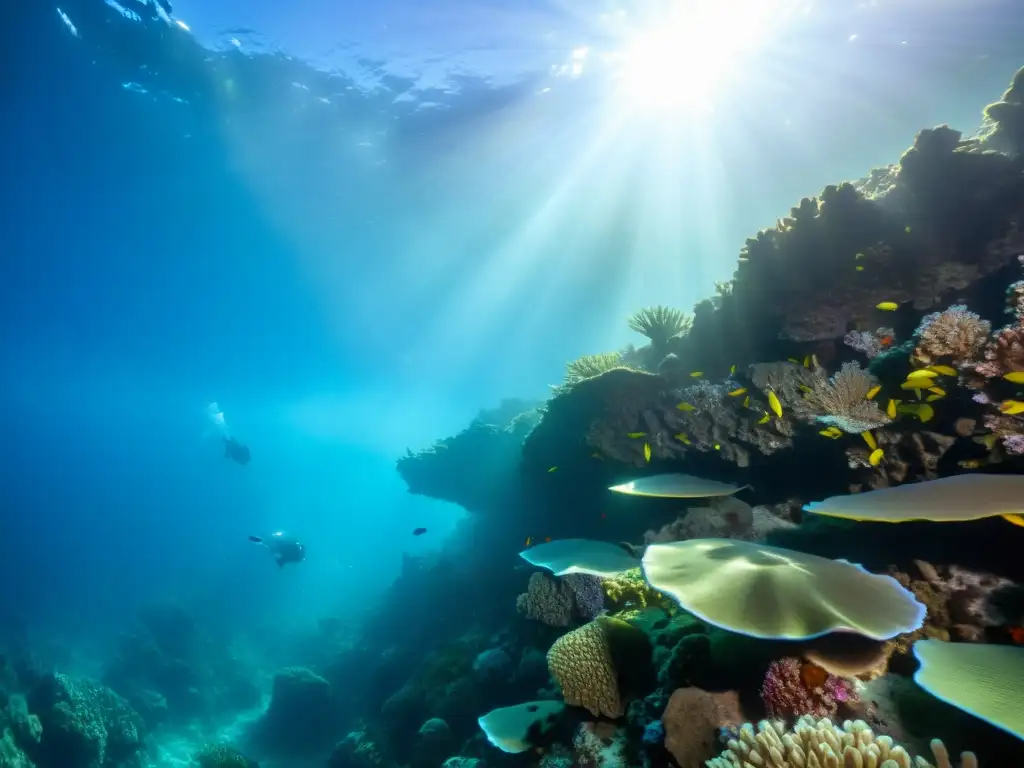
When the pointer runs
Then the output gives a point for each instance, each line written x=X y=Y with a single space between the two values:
x=870 y=343
x=793 y=688
x=587 y=594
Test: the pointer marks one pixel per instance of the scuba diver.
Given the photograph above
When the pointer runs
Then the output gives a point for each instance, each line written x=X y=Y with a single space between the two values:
x=233 y=449
x=284 y=548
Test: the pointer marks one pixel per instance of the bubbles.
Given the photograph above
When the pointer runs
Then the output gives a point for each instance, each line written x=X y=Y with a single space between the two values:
x=216 y=417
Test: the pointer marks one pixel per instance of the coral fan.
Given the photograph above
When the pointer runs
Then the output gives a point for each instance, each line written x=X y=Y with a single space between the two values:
x=841 y=401
x=955 y=333
x=793 y=688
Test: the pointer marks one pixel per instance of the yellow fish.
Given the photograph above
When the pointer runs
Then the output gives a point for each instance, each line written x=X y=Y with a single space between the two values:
x=718 y=447
x=697 y=374
x=793 y=360
x=989 y=441
x=774 y=404
x=907 y=230
x=647 y=451
x=873 y=391
x=870 y=440
x=1015 y=519
x=859 y=268
x=917 y=393
x=807 y=361
x=746 y=401
x=596 y=455
x=1017 y=377
x=681 y=437
x=636 y=434
x=925 y=413
x=1012 y=407
x=828 y=433
x=763 y=419
x=971 y=463
x=890 y=409
x=932 y=398
x=858 y=256
x=814 y=361
x=876 y=457
x=921 y=374
x=804 y=388
x=686 y=407
x=529 y=540
x=887 y=306
x=552 y=469
x=738 y=392
x=943 y=370
x=911 y=384
x=937 y=391
x=732 y=369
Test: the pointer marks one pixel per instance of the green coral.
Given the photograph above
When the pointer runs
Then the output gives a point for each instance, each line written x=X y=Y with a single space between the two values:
x=221 y=756
x=589 y=366
x=630 y=590
x=659 y=324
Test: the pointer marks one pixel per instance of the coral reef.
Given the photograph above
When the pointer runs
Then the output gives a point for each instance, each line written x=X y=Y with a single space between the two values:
x=955 y=334
x=794 y=688
x=299 y=720
x=222 y=756
x=547 y=600
x=730 y=518
x=692 y=721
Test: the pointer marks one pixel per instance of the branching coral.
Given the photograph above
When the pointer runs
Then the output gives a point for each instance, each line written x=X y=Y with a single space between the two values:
x=955 y=334
x=659 y=324
x=824 y=744
x=794 y=688
x=631 y=590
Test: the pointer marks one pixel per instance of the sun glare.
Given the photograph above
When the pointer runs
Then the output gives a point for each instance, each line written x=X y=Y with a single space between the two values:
x=680 y=60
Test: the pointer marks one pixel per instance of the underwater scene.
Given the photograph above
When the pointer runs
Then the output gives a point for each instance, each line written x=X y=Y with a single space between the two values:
x=476 y=384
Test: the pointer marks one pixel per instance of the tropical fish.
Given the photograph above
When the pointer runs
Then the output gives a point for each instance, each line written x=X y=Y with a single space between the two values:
x=911 y=384
x=683 y=438
x=807 y=361
x=636 y=434
x=732 y=369
x=793 y=360
x=1012 y=407
x=828 y=433
x=886 y=341
x=774 y=404
x=676 y=486
x=763 y=419
x=859 y=268
x=921 y=373
x=858 y=256
x=873 y=391
x=890 y=409
x=814 y=361
x=870 y=440
x=925 y=413
x=746 y=401
x=949 y=499
x=876 y=457
x=1017 y=377
x=419 y=531
x=937 y=390
x=529 y=541
x=803 y=388
x=943 y=370
x=596 y=455
x=932 y=398
x=647 y=451
x=989 y=441
x=552 y=469
x=907 y=230
x=738 y=392
x=971 y=463
x=887 y=306
x=686 y=407
x=697 y=374
x=717 y=447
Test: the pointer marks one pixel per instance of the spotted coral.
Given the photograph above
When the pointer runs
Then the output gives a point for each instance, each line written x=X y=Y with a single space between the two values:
x=821 y=743
x=581 y=663
x=546 y=600
x=955 y=333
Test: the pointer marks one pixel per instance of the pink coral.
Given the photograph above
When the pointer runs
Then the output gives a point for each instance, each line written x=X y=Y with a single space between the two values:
x=793 y=688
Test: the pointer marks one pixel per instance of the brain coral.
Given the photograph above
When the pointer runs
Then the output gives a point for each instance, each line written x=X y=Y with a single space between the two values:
x=546 y=600
x=581 y=663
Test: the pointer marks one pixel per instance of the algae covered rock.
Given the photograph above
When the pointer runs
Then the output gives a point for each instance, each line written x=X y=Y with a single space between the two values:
x=299 y=721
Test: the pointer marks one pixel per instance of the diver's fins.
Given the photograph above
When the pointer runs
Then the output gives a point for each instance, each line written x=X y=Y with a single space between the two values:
x=255 y=539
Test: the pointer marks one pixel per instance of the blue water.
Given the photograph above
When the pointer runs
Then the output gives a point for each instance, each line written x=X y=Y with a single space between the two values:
x=353 y=228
